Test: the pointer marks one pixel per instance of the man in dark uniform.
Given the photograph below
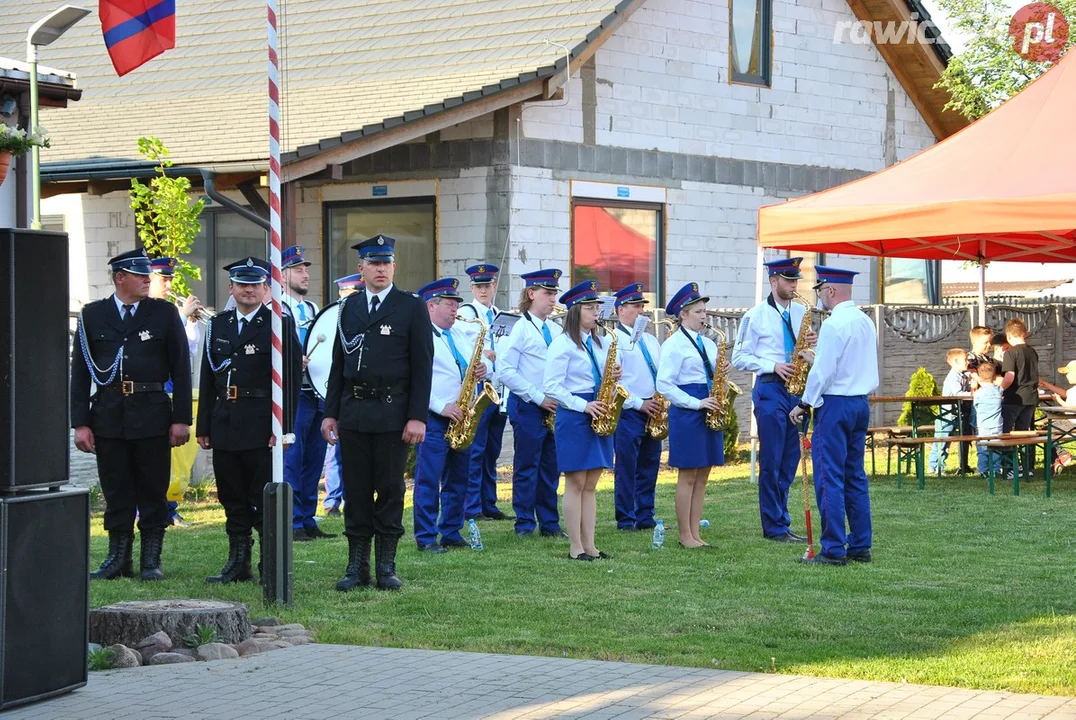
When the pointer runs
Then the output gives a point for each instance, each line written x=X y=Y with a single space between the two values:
x=129 y=345
x=235 y=417
x=376 y=406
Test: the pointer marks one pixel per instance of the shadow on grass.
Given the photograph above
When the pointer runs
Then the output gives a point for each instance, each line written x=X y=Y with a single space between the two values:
x=967 y=589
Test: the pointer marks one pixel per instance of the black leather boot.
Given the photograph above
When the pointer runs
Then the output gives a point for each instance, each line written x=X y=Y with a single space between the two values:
x=150 y=550
x=358 y=564
x=385 y=550
x=237 y=569
x=119 y=562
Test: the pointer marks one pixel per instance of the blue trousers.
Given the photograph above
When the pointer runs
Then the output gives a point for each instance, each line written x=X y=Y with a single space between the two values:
x=440 y=485
x=334 y=486
x=635 y=472
x=536 y=477
x=778 y=454
x=304 y=460
x=939 y=451
x=840 y=480
x=482 y=476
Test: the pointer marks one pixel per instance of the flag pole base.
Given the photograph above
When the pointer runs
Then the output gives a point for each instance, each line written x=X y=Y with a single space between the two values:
x=276 y=544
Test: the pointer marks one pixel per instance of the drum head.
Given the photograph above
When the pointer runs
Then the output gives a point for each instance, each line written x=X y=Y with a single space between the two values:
x=319 y=347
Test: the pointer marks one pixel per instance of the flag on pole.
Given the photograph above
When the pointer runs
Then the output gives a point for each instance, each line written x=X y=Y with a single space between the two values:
x=137 y=31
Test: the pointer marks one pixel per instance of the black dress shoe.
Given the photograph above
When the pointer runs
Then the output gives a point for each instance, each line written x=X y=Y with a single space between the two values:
x=524 y=533
x=861 y=557
x=300 y=536
x=629 y=528
x=786 y=538
x=582 y=556
x=455 y=544
x=603 y=556
x=799 y=538
x=431 y=548
x=823 y=559
x=476 y=518
x=498 y=515
x=555 y=534
x=316 y=532
x=333 y=512
x=651 y=526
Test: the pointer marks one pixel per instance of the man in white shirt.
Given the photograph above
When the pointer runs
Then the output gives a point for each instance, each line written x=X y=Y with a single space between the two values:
x=482 y=478
x=844 y=372
x=638 y=455
x=440 y=471
x=305 y=458
x=764 y=346
x=535 y=477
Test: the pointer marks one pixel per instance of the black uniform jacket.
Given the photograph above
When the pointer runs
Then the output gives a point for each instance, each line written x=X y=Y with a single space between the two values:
x=393 y=384
x=246 y=422
x=155 y=349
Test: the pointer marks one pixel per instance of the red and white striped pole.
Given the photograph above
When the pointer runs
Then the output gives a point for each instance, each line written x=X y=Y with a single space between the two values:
x=276 y=580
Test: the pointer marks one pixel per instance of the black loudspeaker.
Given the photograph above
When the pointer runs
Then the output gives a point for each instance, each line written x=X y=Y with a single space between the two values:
x=34 y=383
x=44 y=594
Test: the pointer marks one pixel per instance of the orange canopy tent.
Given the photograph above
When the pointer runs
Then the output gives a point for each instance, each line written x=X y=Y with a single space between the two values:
x=1003 y=188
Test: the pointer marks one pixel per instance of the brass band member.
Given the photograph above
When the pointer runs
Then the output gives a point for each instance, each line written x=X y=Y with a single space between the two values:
x=765 y=346
x=573 y=376
x=235 y=414
x=685 y=378
x=376 y=406
x=129 y=345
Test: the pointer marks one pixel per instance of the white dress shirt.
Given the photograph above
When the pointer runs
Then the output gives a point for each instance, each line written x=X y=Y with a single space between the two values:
x=380 y=298
x=636 y=376
x=681 y=364
x=119 y=307
x=245 y=319
x=569 y=370
x=760 y=343
x=304 y=318
x=447 y=379
x=521 y=362
x=846 y=356
x=477 y=310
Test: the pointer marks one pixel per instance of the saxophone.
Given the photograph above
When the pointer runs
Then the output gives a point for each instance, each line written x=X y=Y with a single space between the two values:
x=657 y=425
x=460 y=434
x=797 y=381
x=611 y=393
x=723 y=389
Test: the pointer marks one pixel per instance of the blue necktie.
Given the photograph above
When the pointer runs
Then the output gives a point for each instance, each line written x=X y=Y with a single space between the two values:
x=706 y=362
x=489 y=330
x=594 y=365
x=649 y=360
x=546 y=335
x=303 y=329
x=460 y=362
x=790 y=342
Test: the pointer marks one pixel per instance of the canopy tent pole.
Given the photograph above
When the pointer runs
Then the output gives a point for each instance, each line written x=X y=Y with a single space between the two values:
x=982 y=293
x=754 y=425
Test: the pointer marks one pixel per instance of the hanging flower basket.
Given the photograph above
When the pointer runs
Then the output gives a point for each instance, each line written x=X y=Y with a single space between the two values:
x=15 y=142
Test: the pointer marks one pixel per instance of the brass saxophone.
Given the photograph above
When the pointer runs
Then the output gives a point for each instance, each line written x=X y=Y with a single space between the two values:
x=797 y=381
x=657 y=425
x=723 y=389
x=611 y=393
x=460 y=434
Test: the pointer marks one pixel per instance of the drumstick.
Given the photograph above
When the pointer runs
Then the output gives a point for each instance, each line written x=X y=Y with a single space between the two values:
x=317 y=341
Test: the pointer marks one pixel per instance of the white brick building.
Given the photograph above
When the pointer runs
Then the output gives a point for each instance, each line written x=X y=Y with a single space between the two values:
x=455 y=131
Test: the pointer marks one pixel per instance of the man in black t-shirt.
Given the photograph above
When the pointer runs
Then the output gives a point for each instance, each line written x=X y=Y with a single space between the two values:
x=1019 y=381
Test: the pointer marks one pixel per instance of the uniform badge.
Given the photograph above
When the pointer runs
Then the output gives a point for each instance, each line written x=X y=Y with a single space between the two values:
x=249 y=349
x=145 y=335
x=386 y=329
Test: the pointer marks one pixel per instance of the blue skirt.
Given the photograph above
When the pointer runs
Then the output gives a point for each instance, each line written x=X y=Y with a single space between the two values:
x=578 y=447
x=691 y=443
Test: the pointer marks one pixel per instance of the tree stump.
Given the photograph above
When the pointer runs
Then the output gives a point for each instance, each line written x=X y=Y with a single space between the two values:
x=130 y=622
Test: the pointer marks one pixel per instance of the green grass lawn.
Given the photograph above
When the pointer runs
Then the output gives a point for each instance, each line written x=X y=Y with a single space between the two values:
x=966 y=589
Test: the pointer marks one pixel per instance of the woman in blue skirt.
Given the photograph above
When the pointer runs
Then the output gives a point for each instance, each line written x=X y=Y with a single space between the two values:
x=573 y=374
x=685 y=376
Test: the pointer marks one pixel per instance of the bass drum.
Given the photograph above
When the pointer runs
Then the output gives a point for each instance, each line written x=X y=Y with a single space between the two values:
x=319 y=347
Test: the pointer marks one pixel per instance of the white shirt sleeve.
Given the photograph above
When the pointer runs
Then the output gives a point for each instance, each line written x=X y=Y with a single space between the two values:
x=668 y=371
x=557 y=361
x=827 y=353
x=509 y=357
x=193 y=331
x=745 y=353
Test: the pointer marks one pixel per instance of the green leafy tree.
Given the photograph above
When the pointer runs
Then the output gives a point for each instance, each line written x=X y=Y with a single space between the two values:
x=922 y=385
x=988 y=71
x=166 y=219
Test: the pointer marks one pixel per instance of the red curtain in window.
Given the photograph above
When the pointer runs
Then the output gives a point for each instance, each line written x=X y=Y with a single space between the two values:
x=609 y=251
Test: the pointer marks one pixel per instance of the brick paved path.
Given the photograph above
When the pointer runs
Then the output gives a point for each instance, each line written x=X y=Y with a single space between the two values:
x=328 y=681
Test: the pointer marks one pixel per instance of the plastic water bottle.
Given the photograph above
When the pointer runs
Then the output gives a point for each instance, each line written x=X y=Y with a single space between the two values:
x=474 y=537
x=704 y=523
x=659 y=536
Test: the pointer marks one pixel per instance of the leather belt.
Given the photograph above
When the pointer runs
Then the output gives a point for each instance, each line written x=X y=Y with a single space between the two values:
x=129 y=387
x=371 y=392
x=235 y=393
x=769 y=378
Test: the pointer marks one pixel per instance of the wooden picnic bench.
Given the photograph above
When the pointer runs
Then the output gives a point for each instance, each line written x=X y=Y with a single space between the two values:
x=1005 y=442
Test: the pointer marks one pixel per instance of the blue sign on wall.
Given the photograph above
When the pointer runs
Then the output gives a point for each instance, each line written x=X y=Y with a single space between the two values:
x=381 y=190
x=623 y=192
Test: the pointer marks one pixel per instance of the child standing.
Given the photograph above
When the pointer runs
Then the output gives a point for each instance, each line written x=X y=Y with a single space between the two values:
x=980 y=337
x=948 y=420
x=986 y=399
x=1019 y=382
